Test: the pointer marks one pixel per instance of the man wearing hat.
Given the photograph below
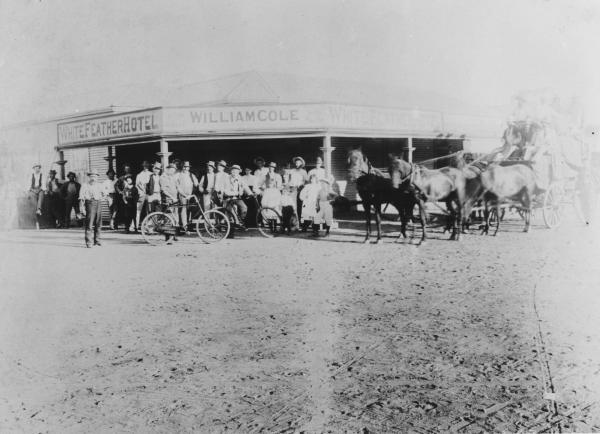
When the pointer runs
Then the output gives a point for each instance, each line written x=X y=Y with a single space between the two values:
x=54 y=199
x=221 y=181
x=207 y=185
x=70 y=194
x=90 y=197
x=319 y=171
x=187 y=183
x=37 y=185
x=235 y=191
x=272 y=178
x=260 y=172
x=141 y=184
x=110 y=191
x=153 y=189
x=168 y=190
x=297 y=177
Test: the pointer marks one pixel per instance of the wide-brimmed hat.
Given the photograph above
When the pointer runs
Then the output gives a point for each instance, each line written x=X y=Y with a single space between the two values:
x=222 y=163
x=128 y=176
x=157 y=166
x=272 y=164
x=186 y=164
x=235 y=166
x=36 y=165
x=257 y=159
x=71 y=174
x=52 y=171
x=93 y=172
x=299 y=158
x=211 y=164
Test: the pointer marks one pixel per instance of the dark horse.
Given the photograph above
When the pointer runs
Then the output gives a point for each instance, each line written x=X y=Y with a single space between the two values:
x=440 y=185
x=375 y=189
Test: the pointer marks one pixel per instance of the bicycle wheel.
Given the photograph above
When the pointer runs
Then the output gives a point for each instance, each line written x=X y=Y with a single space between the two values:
x=155 y=227
x=213 y=226
x=551 y=211
x=268 y=221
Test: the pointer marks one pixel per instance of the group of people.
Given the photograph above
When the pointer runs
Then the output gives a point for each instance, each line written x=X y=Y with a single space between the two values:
x=305 y=195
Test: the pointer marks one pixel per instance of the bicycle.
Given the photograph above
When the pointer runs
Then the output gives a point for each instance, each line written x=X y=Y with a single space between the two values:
x=211 y=226
x=268 y=220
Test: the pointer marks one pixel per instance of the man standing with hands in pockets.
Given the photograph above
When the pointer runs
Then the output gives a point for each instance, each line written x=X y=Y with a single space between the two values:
x=90 y=197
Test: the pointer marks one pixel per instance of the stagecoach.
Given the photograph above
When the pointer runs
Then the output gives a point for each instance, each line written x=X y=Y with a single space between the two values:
x=562 y=171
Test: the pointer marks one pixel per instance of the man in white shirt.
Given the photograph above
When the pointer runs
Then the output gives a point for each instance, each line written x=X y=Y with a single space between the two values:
x=207 y=185
x=186 y=184
x=221 y=180
x=37 y=186
x=90 y=197
x=141 y=183
x=109 y=187
x=235 y=190
x=297 y=177
x=260 y=172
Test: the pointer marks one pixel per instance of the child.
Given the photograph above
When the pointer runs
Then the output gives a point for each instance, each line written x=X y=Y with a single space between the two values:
x=130 y=198
x=308 y=196
x=289 y=216
x=271 y=198
x=324 y=209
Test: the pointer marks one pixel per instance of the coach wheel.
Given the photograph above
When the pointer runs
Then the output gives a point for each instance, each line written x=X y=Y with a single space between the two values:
x=213 y=226
x=156 y=227
x=268 y=222
x=551 y=210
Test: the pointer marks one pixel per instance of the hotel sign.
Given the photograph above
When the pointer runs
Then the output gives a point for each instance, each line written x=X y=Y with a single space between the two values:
x=129 y=124
x=286 y=118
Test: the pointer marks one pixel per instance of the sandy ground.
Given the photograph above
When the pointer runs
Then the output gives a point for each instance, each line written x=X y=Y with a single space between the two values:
x=294 y=334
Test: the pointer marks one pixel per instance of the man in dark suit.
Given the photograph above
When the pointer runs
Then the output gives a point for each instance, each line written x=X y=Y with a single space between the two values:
x=70 y=194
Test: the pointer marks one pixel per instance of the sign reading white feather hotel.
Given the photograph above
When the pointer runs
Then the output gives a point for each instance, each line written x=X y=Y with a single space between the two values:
x=109 y=127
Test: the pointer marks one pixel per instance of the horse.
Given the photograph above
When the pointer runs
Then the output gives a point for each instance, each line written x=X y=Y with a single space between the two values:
x=509 y=180
x=375 y=189
x=446 y=185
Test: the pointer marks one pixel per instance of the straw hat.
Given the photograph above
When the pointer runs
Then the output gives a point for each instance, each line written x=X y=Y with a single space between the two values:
x=300 y=159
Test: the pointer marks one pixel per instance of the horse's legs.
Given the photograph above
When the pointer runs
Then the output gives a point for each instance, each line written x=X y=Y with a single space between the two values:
x=402 y=216
x=497 y=217
x=377 y=207
x=526 y=201
x=423 y=219
x=367 y=207
x=486 y=218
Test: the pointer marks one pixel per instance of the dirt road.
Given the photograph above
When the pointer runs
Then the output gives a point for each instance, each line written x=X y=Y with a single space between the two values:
x=294 y=334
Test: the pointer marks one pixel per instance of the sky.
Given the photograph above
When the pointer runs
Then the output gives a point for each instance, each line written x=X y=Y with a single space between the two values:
x=480 y=51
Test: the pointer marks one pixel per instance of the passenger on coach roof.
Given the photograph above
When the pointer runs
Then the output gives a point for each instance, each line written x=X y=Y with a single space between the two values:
x=207 y=185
